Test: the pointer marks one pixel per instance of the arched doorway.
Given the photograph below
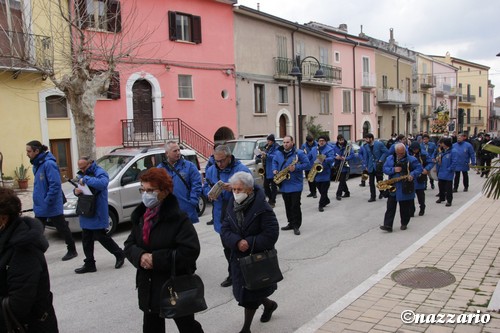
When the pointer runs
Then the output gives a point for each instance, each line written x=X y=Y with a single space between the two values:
x=366 y=128
x=142 y=106
x=282 y=126
x=223 y=134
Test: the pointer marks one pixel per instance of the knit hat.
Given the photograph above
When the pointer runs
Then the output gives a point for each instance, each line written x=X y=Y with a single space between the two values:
x=324 y=137
x=270 y=137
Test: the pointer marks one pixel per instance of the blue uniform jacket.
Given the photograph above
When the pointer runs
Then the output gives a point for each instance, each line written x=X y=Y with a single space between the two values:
x=465 y=155
x=340 y=151
x=379 y=150
x=306 y=148
x=446 y=167
x=97 y=179
x=430 y=148
x=187 y=196
x=47 y=192
x=269 y=160
x=212 y=176
x=327 y=164
x=415 y=171
x=282 y=160
x=427 y=164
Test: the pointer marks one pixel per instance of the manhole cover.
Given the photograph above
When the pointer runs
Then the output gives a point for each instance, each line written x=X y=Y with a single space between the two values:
x=423 y=277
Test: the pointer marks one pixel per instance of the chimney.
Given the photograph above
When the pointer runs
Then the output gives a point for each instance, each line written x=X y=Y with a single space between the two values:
x=391 y=39
x=343 y=27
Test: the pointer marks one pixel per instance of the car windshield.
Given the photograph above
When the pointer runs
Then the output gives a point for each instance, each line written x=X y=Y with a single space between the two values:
x=113 y=164
x=242 y=150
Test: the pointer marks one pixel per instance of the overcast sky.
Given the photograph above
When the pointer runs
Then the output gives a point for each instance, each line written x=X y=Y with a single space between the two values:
x=469 y=30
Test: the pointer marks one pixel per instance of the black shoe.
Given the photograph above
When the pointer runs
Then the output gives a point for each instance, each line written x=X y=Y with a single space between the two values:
x=85 y=269
x=287 y=227
x=372 y=200
x=339 y=198
x=439 y=201
x=362 y=184
x=403 y=227
x=70 y=255
x=311 y=195
x=380 y=196
x=268 y=312
x=421 y=212
x=466 y=189
x=296 y=231
x=119 y=262
x=315 y=196
x=346 y=195
x=388 y=229
x=455 y=190
x=211 y=222
x=321 y=209
x=227 y=282
x=437 y=195
x=448 y=204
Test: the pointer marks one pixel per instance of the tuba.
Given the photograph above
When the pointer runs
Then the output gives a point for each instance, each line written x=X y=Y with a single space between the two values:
x=285 y=173
x=316 y=168
x=386 y=185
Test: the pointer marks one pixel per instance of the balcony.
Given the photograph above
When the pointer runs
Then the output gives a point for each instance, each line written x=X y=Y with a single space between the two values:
x=427 y=112
x=23 y=52
x=368 y=80
x=412 y=99
x=427 y=81
x=283 y=67
x=475 y=121
x=391 y=97
x=467 y=99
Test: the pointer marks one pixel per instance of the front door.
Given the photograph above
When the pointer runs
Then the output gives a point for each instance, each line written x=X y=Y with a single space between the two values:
x=61 y=150
x=282 y=126
x=143 y=107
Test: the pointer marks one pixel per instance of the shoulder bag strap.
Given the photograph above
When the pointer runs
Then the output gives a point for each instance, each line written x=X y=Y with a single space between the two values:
x=178 y=174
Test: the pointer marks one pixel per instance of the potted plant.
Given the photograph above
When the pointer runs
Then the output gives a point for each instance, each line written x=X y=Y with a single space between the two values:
x=22 y=177
x=8 y=181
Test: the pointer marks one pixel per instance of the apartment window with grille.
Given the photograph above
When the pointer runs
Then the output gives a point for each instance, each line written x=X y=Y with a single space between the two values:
x=184 y=27
x=324 y=102
x=336 y=56
x=283 y=95
x=480 y=92
x=366 y=102
x=300 y=49
x=323 y=55
x=346 y=101
x=259 y=98
x=281 y=44
x=345 y=130
x=100 y=14
x=57 y=106
x=384 y=81
x=185 y=87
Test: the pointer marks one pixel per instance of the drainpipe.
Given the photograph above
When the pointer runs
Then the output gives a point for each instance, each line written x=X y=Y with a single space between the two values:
x=355 y=89
x=397 y=87
x=293 y=85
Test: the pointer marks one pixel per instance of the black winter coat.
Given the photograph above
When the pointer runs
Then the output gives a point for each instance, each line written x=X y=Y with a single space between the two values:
x=171 y=230
x=260 y=225
x=24 y=277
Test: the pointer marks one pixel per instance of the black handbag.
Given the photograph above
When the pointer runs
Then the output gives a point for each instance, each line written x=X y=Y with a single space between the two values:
x=182 y=295
x=86 y=205
x=11 y=322
x=260 y=270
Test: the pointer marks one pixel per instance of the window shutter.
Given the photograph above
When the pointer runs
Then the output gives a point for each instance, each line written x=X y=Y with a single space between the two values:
x=172 y=25
x=81 y=11
x=196 y=32
x=114 y=16
x=114 y=86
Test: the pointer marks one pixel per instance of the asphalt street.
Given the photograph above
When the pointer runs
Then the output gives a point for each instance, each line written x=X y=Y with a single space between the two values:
x=337 y=250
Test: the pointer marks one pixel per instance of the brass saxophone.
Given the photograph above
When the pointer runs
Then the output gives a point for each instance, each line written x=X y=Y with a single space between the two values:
x=386 y=185
x=285 y=173
x=316 y=168
x=262 y=171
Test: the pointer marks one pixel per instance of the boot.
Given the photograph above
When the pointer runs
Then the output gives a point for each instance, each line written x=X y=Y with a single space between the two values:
x=70 y=254
x=422 y=211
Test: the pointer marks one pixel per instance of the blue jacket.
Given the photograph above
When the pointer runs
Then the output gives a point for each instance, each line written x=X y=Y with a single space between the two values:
x=212 y=176
x=430 y=148
x=379 y=150
x=187 y=196
x=47 y=192
x=306 y=148
x=97 y=179
x=282 y=160
x=427 y=164
x=271 y=151
x=446 y=166
x=465 y=155
x=327 y=164
x=415 y=171
x=340 y=151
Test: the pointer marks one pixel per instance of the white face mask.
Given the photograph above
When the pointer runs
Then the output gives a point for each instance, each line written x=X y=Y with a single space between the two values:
x=150 y=199
x=240 y=197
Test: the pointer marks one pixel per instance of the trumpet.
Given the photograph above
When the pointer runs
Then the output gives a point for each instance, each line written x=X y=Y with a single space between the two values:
x=285 y=173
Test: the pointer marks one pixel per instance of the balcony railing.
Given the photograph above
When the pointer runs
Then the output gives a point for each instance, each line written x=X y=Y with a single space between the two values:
x=391 y=96
x=427 y=112
x=369 y=80
x=412 y=99
x=467 y=99
x=283 y=67
x=427 y=81
x=475 y=121
x=19 y=50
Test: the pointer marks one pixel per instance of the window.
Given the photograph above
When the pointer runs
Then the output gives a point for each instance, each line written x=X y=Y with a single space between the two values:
x=480 y=92
x=259 y=98
x=346 y=103
x=184 y=27
x=366 y=102
x=323 y=55
x=185 y=87
x=56 y=107
x=282 y=46
x=300 y=49
x=100 y=14
x=12 y=41
x=324 y=102
x=345 y=131
x=384 y=81
x=337 y=56
x=283 y=95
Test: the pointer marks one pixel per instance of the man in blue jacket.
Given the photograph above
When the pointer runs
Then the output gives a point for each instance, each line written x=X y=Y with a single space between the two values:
x=322 y=155
x=446 y=164
x=374 y=154
x=421 y=181
x=400 y=164
x=465 y=156
x=267 y=157
x=430 y=149
x=341 y=154
x=94 y=227
x=306 y=148
x=293 y=159
x=186 y=179
x=47 y=193
x=225 y=166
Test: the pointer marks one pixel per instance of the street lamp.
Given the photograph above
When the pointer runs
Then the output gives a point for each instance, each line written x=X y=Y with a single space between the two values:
x=297 y=72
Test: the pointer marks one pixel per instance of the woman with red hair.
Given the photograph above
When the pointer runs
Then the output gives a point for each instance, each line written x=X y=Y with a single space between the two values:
x=158 y=228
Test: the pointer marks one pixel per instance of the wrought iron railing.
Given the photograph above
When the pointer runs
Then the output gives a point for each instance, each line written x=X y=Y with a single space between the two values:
x=283 y=67
x=21 y=50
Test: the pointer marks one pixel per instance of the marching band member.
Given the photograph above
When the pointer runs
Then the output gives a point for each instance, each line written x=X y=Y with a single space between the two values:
x=322 y=155
x=340 y=154
x=420 y=181
x=431 y=149
x=374 y=153
x=267 y=156
x=446 y=164
x=306 y=148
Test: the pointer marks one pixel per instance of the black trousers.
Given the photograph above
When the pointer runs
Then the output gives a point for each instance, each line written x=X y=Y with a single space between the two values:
x=485 y=162
x=153 y=323
x=421 y=198
x=312 y=185
x=270 y=189
x=371 y=181
x=342 y=184
x=445 y=190
x=292 y=208
x=456 y=182
x=62 y=228
x=406 y=209
x=323 y=192
x=227 y=254
x=88 y=238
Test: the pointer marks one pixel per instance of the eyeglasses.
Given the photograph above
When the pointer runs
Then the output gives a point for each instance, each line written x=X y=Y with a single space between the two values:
x=147 y=190
x=219 y=161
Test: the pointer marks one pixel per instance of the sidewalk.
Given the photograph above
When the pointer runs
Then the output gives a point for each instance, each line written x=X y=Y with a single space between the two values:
x=466 y=245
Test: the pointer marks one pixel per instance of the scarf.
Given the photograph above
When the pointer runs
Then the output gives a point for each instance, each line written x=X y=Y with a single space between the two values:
x=239 y=208
x=149 y=216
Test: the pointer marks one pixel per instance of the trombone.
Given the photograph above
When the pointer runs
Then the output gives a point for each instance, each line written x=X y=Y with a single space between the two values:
x=343 y=162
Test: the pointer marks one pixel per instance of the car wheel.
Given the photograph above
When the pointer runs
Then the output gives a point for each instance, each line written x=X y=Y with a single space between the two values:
x=113 y=223
x=202 y=203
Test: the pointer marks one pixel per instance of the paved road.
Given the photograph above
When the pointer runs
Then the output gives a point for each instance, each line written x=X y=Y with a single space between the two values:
x=338 y=250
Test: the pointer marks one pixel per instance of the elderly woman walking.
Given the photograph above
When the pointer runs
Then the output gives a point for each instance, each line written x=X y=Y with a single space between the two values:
x=249 y=226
